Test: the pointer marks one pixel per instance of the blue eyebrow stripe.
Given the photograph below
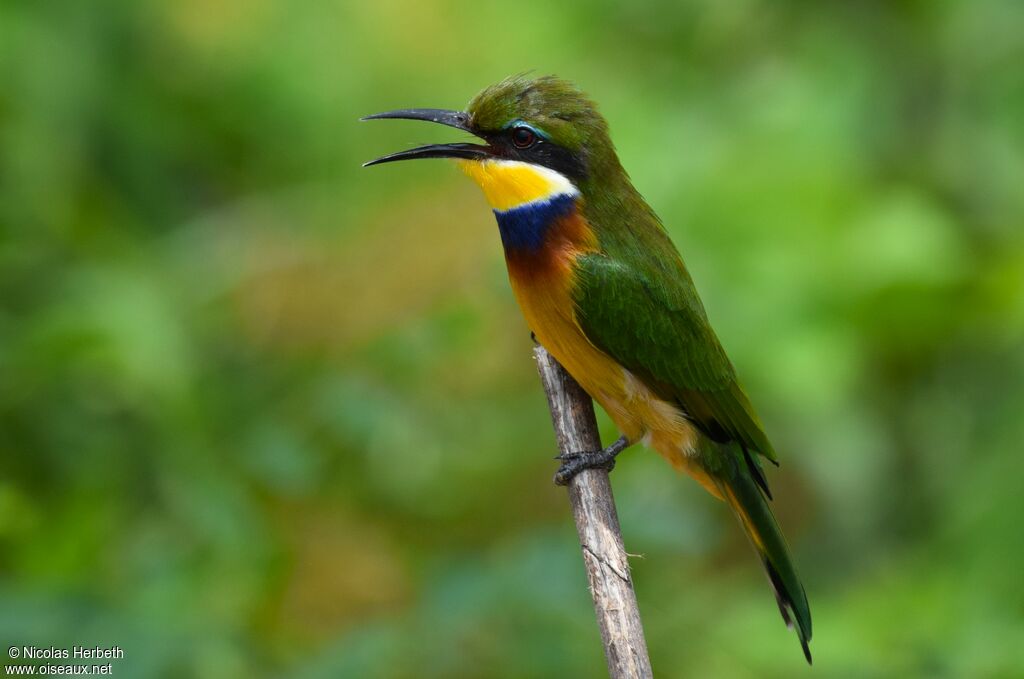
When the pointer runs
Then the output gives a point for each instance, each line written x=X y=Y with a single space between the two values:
x=525 y=227
x=540 y=133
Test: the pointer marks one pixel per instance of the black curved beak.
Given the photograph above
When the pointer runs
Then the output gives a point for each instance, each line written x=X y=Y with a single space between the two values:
x=457 y=119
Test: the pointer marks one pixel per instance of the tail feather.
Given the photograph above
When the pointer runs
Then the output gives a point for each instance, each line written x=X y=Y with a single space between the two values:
x=745 y=491
x=756 y=472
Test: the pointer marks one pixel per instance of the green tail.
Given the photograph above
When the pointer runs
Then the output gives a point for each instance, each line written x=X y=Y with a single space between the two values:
x=744 y=488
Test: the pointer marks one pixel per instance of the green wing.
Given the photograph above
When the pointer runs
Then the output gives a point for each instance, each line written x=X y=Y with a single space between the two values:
x=652 y=322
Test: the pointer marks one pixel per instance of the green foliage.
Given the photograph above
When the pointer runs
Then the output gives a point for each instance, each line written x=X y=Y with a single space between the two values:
x=264 y=413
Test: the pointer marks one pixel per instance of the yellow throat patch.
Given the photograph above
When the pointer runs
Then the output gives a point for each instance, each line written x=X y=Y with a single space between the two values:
x=509 y=184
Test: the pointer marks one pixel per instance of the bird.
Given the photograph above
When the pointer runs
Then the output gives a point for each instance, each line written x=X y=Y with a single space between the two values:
x=605 y=291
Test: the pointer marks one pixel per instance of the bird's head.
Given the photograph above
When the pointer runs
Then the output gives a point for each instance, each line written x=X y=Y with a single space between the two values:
x=542 y=137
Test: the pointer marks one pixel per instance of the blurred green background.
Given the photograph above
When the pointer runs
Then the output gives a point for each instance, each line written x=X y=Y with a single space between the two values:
x=266 y=413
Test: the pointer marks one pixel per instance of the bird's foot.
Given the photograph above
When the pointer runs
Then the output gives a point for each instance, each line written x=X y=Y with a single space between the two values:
x=574 y=463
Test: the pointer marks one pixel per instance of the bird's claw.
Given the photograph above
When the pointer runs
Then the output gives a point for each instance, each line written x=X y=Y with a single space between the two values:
x=575 y=462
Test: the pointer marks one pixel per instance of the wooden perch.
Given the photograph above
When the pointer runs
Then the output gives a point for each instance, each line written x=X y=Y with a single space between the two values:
x=597 y=523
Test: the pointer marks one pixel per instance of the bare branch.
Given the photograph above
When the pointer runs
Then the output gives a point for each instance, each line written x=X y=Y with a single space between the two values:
x=597 y=523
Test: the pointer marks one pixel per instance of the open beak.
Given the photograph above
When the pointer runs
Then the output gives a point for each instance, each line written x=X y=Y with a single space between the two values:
x=457 y=119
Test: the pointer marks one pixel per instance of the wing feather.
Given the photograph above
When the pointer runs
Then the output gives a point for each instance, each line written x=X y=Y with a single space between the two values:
x=653 y=324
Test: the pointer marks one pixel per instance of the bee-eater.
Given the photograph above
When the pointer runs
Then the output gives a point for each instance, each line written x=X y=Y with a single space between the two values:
x=607 y=294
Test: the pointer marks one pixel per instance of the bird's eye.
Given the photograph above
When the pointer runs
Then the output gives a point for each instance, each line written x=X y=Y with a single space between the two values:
x=523 y=137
